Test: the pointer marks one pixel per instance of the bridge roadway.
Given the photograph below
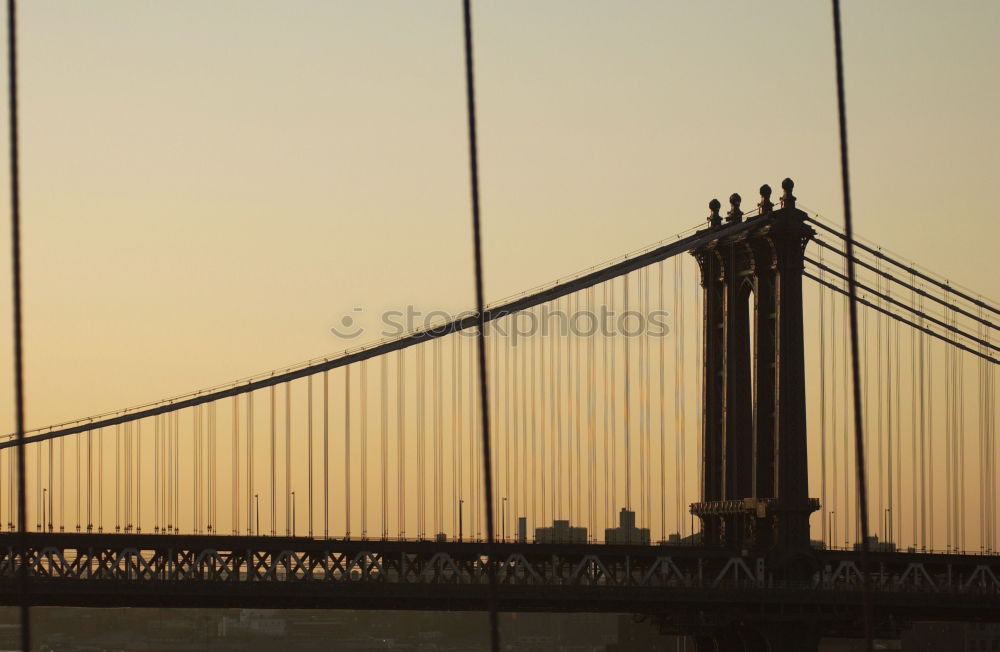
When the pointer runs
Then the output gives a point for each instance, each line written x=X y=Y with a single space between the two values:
x=675 y=583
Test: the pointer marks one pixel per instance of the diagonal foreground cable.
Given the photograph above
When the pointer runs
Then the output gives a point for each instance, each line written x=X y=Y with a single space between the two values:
x=853 y=305
x=15 y=242
x=470 y=97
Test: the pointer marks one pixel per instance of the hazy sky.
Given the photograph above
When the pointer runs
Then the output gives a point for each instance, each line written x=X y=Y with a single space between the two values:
x=208 y=187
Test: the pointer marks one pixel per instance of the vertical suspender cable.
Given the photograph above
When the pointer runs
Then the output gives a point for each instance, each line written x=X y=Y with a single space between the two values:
x=577 y=430
x=274 y=476
x=236 y=465
x=506 y=431
x=251 y=529
x=879 y=469
x=613 y=416
x=100 y=480
x=15 y=242
x=853 y=294
x=401 y=438
x=138 y=475
x=363 y=464
x=553 y=425
x=309 y=452
x=177 y=473
x=62 y=482
x=483 y=387
x=846 y=423
x=898 y=508
x=288 y=459
x=834 y=424
x=627 y=400
x=456 y=438
x=643 y=295
x=542 y=431
x=930 y=442
x=47 y=522
x=439 y=434
x=591 y=420
x=663 y=414
x=890 y=421
x=326 y=454
x=608 y=505
x=90 y=481
x=157 y=429
x=822 y=399
x=682 y=411
x=419 y=413
x=347 y=452
x=383 y=440
x=678 y=388
x=118 y=476
x=913 y=425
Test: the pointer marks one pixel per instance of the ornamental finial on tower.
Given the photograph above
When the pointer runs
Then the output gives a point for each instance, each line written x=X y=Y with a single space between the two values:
x=714 y=219
x=734 y=214
x=766 y=205
x=787 y=199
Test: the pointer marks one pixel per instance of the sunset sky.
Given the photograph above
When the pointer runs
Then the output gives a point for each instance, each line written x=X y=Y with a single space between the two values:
x=208 y=187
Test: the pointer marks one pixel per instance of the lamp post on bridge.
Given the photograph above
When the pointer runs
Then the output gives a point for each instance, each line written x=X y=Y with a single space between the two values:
x=460 y=504
x=293 y=513
x=256 y=501
x=503 y=519
x=887 y=531
x=833 y=530
x=44 y=491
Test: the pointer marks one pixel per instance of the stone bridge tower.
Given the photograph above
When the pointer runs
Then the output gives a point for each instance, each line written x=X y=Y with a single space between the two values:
x=755 y=489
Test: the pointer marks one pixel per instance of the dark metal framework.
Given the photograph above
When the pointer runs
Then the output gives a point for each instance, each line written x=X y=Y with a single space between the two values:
x=692 y=587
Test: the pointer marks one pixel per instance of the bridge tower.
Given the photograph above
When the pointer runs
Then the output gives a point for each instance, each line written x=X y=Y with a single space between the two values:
x=755 y=488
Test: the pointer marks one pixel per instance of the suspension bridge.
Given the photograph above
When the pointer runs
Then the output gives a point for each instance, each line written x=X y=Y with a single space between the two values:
x=671 y=436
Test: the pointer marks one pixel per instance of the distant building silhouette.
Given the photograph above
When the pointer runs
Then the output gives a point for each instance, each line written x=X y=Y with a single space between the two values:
x=876 y=546
x=561 y=532
x=627 y=532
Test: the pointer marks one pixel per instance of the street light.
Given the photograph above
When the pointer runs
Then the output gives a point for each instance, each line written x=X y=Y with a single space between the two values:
x=293 y=513
x=887 y=532
x=44 y=502
x=833 y=528
x=503 y=519
x=256 y=502
x=460 y=503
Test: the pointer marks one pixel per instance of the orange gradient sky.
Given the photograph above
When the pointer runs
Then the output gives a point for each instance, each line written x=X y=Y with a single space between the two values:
x=208 y=187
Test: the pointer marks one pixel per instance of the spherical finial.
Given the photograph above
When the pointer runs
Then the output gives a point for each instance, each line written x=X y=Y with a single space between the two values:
x=765 y=206
x=735 y=214
x=788 y=199
x=713 y=218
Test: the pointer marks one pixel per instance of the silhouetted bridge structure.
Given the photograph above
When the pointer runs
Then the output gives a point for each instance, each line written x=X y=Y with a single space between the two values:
x=581 y=427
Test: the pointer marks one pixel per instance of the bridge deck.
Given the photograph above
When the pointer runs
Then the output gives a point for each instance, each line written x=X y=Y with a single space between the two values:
x=676 y=582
